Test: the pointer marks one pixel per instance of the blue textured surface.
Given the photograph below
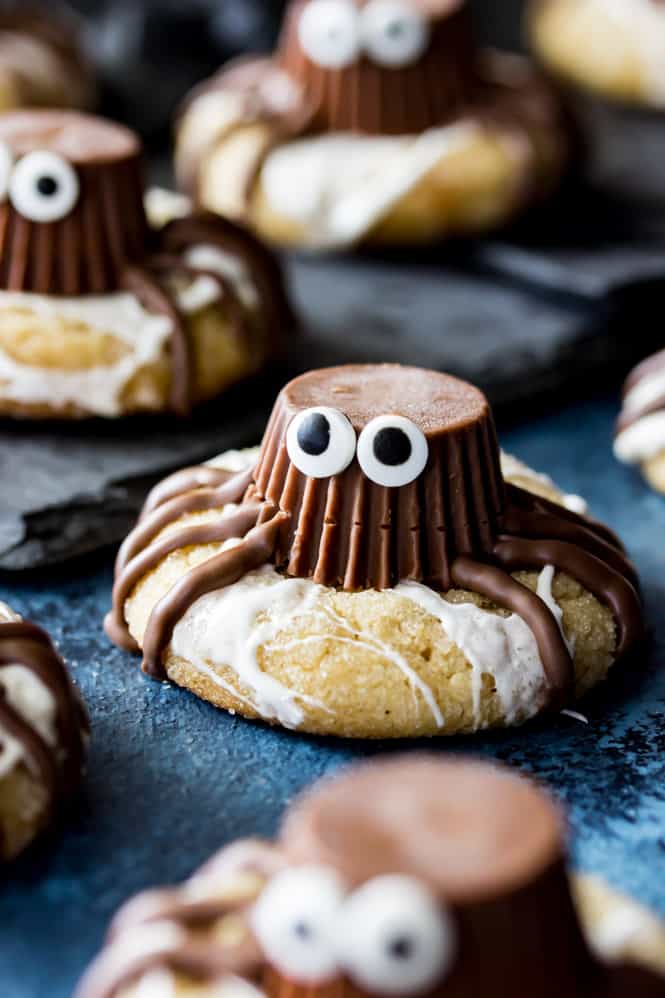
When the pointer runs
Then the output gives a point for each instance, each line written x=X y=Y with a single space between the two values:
x=170 y=779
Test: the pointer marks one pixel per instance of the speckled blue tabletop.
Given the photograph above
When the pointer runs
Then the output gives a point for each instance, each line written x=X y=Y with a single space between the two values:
x=170 y=779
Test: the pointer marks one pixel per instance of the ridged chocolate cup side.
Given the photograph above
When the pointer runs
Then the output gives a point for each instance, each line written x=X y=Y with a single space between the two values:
x=375 y=100
x=349 y=532
x=88 y=251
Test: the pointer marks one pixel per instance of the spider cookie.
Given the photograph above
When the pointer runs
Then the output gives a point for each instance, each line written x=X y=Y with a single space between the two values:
x=41 y=60
x=99 y=315
x=616 y=49
x=372 y=574
x=640 y=430
x=43 y=726
x=376 y=121
x=350 y=902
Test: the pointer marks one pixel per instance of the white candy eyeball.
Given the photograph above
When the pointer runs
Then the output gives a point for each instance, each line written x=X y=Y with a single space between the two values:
x=394 y=938
x=394 y=33
x=329 y=33
x=6 y=166
x=392 y=451
x=294 y=921
x=321 y=442
x=43 y=187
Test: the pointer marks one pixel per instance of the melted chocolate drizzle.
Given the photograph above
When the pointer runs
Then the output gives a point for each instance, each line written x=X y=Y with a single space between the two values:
x=459 y=524
x=59 y=767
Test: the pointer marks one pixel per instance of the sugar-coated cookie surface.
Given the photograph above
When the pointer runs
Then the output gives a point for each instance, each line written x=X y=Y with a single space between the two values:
x=613 y=47
x=373 y=572
x=373 y=122
x=43 y=726
x=100 y=315
x=354 y=900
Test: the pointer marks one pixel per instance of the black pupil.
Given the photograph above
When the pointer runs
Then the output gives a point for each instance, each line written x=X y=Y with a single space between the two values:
x=47 y=186
x=401 y=948
x=392 y=446
x=314 y=434
x=302 y=931
x=395 y=29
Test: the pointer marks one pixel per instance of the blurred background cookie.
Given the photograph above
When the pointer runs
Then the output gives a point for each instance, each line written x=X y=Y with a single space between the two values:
x=609 y=57
x=100 y=315
x=42 y=60
x=353 y=901
x=372 y=123
x=640 y=430
x=43 y=727
x=341 y=568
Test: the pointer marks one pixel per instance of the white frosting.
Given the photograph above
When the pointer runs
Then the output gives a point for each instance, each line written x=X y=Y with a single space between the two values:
x=229 y=626
x=646 y=436
x=643 y=21
x=618 y=928
x=641 y=441
x=34 y=702
x=340 y=186
x=163 y=205
x=512 y=467
x=99 y=389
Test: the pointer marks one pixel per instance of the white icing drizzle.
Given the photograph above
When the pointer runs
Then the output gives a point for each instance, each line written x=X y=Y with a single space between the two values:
x=99 y=389
x=33 y=701
x=642 y=440
x=501 y=647
x=339 y=186
x=229 y=626
x=512 y=467
x=544 y=591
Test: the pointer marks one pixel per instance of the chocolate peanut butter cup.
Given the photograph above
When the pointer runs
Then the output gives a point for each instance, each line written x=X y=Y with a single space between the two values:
x=389 y=71
x=71 y=216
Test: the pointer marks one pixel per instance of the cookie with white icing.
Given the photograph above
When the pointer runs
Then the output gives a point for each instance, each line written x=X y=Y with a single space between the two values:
x=640 y=431
x=43 y=727
x=354 y=901
x=101 y=315
x=615 y=48
x=371 y=573
x=375 y=121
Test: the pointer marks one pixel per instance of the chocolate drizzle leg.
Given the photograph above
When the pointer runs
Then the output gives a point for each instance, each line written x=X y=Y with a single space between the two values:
x=457 y=524
x=59 y=767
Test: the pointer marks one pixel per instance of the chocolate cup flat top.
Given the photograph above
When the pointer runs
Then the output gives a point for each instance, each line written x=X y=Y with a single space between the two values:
x=436 y=403
x=82 y=139
x=472 y=831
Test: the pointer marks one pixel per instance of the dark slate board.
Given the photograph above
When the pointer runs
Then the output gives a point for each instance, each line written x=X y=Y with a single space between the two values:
x=516 y=319
x=170 y=779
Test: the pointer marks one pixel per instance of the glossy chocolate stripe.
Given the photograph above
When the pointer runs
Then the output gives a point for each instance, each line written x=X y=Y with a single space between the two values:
x=606 y=584
x=502 y=589
x=190 y=535
x=222 y=570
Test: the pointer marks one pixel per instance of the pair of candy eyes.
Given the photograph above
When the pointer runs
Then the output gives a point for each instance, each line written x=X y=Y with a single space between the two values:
x=333 y=33
x=42 y=186
x=390 y=936
x=391 y=450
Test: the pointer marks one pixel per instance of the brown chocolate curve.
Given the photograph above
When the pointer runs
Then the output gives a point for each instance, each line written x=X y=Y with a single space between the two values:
x=25 y=644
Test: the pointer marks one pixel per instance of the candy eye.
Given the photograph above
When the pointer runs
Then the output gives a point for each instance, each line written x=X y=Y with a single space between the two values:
x=394 y=938
x=321 y=442
x=392 y=451
x=329 y=33
x=6 y=165
x=393 y=33
x=43 y=187
x=294 y=919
